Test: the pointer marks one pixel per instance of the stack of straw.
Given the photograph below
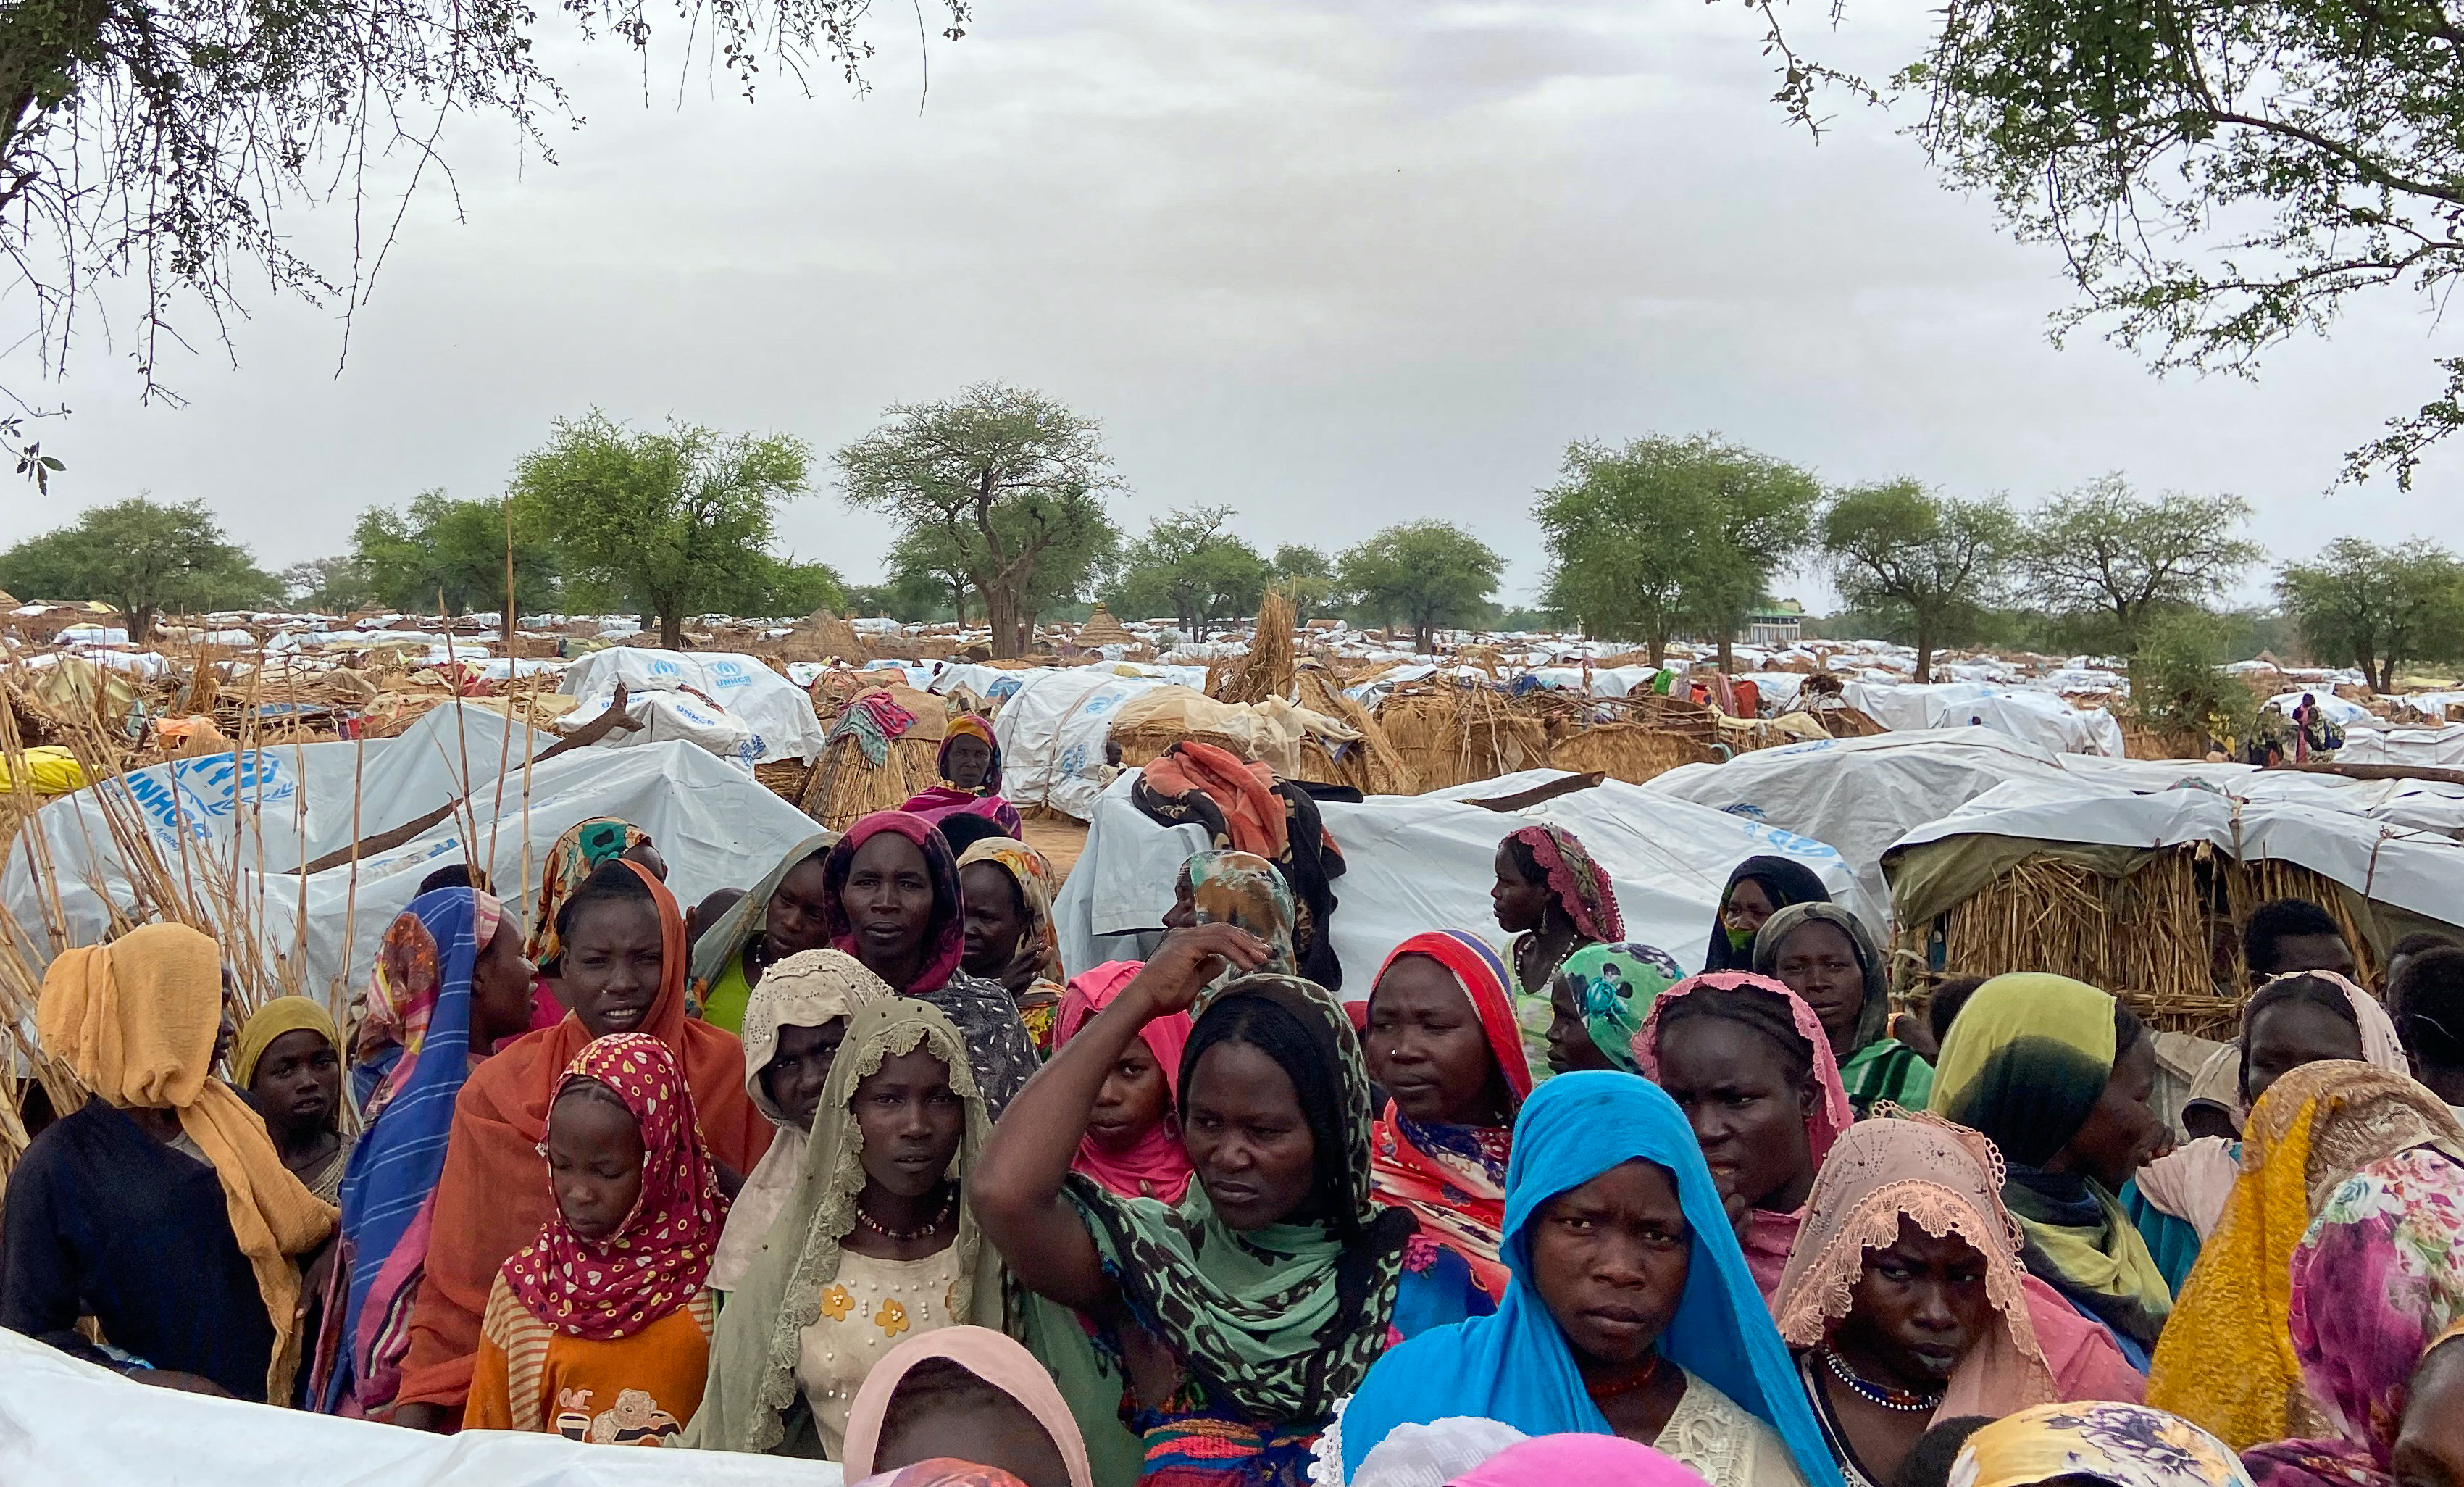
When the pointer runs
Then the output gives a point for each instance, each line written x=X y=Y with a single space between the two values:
x=845 y=787
x=1449 y=734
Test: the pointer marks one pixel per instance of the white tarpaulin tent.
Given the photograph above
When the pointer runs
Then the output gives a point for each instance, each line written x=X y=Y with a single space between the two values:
x=70 y=1424
x=2440 y=749
x=715 y=825
x=2040 y=718
x=1861 y=795
x=2407 y=866
x=1418 y=862
x=1051 y=731
x=732 y=706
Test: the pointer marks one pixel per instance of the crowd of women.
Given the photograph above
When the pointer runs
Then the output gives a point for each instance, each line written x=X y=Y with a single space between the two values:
x=843 y=1165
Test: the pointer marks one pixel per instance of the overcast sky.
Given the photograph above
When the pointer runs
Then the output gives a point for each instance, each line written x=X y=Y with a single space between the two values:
x=1332 y=265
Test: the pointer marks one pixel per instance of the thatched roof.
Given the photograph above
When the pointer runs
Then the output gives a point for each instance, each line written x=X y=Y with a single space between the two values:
x=1101 y=628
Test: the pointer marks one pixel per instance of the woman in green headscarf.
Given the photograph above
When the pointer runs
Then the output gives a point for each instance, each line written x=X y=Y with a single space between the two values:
x=1595 y=1005
x=1823 y=954
x=1243 y=1313
x=874 y=1245
x=2057 y=1074
x=786 y=914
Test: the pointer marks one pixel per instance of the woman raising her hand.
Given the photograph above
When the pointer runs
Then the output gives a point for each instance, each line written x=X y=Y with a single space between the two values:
x=1246 y=1310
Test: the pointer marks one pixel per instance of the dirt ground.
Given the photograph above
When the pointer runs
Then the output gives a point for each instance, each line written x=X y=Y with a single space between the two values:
x=1060 y=838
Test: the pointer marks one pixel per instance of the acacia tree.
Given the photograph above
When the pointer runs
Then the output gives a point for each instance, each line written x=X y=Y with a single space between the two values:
x=144 y=557
x=2102 y=550
x=2217 y=178
x=455 y=549
x=1900 y=546
x=1430 y=572
x=2377 y=608
x=1668 y=535
x=671 y=520
x=1189 y=564
x=163 y=143
x=1011 y=482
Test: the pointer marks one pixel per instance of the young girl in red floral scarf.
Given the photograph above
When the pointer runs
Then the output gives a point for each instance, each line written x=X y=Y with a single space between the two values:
x=599 y=1328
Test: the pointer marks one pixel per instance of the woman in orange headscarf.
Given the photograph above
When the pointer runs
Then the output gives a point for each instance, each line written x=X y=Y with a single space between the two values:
x=624 y=972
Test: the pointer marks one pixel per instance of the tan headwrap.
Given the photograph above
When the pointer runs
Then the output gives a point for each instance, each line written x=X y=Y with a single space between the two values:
x=1948 y=1179
x=137 y=1020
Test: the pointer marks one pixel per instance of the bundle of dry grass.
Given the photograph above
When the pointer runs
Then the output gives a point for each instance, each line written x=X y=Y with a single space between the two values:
x=1149 y=742
x=844 y=786
x=1629 y=751
x=1268 y=669
x=2165 y=938
x=1447 y=733
x=1373 y=766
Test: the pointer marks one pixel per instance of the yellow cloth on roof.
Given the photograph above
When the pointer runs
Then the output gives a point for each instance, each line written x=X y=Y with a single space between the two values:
x=137 y=1020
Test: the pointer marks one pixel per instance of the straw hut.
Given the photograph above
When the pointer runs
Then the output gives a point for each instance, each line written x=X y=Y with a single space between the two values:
x=847 y=787
x=1373 y=766
x=1450 y=734
x=1629 y=751
x=1102 y=629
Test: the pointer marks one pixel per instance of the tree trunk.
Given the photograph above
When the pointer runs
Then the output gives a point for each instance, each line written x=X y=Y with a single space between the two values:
x=1424 y=639
x=671 y=632
x=1924 y=648
x=141 y=619
x=1728 y=653
x=1001 y=613
x=1657 y=646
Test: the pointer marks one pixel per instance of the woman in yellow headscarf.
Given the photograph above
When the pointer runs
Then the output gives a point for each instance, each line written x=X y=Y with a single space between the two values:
x=2225 y=1360
x=160 y=1208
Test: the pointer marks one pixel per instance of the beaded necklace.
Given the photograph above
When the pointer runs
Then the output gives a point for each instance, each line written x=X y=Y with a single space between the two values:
x=1882 y=1394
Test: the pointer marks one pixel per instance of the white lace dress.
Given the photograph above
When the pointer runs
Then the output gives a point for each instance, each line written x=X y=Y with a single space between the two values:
x=1707 y=1431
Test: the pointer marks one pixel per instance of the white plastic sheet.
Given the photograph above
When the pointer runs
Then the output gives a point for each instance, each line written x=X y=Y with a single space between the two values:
x=1418 y=862
x=1861 y=795
x=2040 y=718
x=697 y=689
x=1051 y=727
x=716 y=827
x=2441 y=749
x=68 y=1424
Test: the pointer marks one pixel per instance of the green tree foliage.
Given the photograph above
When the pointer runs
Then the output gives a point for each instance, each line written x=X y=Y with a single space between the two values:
x=1013 y=485
x=670 y=520
x=2377 y=608
x=161 y=142
x=2174 y=684
x=1670 y=535
x=1307 y=576
x=2217 y=178
x=910 y=601
x=1898 y=546
x=329 y=586
x=144 y=557
x=1188 y=565
x=2105 y=550
x=1428 y=573
x=457 y=548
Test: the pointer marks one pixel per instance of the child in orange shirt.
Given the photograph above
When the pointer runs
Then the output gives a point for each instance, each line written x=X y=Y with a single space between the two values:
x=599 y=1329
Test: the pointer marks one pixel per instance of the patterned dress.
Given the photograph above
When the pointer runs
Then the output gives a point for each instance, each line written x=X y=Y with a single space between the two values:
x=870 y=1308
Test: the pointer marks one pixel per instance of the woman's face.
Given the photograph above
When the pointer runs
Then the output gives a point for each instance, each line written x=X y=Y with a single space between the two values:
x=798 y=917
x=2430 y=1444
x=1819 y=964
x=1735 y=1087
x=1749 y=904
x=910 y=1121
x=889 y=901
x=2287 y=1035
x=970 y=760
x=1247 y=1138
x=1916 y=1310
x=1571 y=1044
x=994 y=920
x=500 y=988
x=1184 y=912
x=612 y=964
x=1134 y=1098
x=1609 y=1260
x=1520 y=903
x=2120 y=1131
x=797 y=1071
x=298 y=1084
x=594 y=1163
x=1427 y=1048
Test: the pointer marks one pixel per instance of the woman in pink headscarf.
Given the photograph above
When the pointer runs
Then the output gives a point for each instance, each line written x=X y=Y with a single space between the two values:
x=1747 y=1062
x=1133 y=1145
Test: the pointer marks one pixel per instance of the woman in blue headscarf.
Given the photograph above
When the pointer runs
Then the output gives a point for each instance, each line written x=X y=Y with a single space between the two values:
x=450 y=981
x=1630 y=1310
